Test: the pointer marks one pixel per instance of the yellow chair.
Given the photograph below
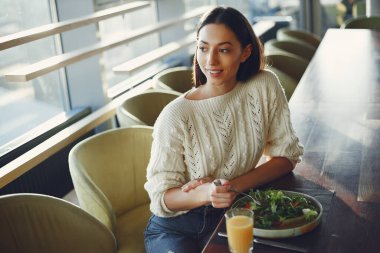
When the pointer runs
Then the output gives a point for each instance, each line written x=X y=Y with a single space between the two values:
x=372 y=23
x=35 y=223
x=288 y=83
x=299 y=36
x=286 y=46
x=290 y=64
x=289 y=69
x=178 y=79
x=109 y=171
x=144 y=108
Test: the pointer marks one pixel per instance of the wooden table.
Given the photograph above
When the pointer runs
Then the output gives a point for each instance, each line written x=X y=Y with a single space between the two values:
x=336 y=113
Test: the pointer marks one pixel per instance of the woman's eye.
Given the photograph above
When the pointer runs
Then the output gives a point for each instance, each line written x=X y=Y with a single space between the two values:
x=202 y=49
x=224 y=50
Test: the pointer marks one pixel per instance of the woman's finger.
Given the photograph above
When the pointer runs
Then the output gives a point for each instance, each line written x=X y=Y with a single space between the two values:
x=222 y=200
x=190 y=185
x=195 y=183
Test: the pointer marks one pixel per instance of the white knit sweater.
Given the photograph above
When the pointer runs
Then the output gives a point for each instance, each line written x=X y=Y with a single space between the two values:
x=221 y=137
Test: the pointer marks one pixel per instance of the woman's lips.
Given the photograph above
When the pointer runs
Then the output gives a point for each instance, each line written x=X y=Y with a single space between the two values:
x=215 y=72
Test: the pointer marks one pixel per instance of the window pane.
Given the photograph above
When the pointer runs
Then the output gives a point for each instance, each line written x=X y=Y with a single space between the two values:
x=117 y=26
x=25 y=105
x=257 y=10
x=335 y=12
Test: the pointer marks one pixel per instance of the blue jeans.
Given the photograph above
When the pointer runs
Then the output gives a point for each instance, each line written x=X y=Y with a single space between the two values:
x=186 y=233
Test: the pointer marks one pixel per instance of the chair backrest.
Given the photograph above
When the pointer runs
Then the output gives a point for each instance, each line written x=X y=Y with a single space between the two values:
x=301 y=49
x=300 y=36
x=109 y=171
x=144 y=108
x=291 y=65
x=372 y=22
x=288 y=83
x=178 y=78
x=35 y=223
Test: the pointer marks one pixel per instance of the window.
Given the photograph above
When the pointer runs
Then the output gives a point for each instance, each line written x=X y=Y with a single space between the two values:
x=117 y=26
x=25 y=105
x=287 y=11
x=335 y=12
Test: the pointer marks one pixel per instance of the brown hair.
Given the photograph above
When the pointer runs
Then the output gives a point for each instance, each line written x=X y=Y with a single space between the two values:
x=240 y=26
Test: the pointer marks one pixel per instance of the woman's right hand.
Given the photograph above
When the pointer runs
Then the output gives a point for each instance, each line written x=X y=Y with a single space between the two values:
x=220 y=194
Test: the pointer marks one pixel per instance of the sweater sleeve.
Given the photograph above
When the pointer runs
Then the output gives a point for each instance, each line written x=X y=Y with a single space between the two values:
x=281 y=139
x=166 y=168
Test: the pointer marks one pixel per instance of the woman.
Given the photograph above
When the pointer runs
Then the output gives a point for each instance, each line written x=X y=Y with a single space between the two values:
x=218 y=130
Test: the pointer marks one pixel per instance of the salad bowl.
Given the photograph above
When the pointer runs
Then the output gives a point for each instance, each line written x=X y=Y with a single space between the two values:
x=288 y=227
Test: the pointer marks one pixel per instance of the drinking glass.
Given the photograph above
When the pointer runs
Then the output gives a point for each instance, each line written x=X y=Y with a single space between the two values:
x=239 y=224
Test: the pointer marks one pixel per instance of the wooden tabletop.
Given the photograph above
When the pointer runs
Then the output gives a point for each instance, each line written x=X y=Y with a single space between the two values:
x=336 y=113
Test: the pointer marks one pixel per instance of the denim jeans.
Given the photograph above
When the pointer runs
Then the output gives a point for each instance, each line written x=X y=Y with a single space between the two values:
x=186 y=233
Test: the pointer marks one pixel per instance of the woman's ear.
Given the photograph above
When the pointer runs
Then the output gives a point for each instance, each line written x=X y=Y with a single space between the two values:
x=246 y=53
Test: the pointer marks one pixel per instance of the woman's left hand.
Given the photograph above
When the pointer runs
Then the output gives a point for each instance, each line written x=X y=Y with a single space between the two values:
x=195 y=183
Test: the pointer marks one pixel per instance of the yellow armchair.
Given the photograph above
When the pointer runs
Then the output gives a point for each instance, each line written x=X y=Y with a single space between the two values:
x=109 y=172
x=298 y=36
x=144 y=108
x=289 y=69
x=364 y=22
x=178 y=79
x=300 y=49
x=290 y=64
x=35 y=223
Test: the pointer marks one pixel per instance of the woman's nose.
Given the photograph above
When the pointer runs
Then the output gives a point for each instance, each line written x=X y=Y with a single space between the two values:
x=212 y=58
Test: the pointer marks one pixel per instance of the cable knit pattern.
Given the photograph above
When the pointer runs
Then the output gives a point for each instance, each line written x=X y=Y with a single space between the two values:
x=224 y=123
x=257 y=120
x=192 y=150
x=221 y=137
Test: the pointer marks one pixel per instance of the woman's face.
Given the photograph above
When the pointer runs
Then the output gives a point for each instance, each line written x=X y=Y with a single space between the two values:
x=219 y=54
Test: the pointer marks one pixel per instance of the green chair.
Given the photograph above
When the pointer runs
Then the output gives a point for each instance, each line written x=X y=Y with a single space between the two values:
x=179 y=79
x=372 y=23
x=300 y=36
x=286 y=46
x=290 y=64
x=36 y=223
x=144 y=108
x=289 y=69
x=288 y=83
x=109 y=171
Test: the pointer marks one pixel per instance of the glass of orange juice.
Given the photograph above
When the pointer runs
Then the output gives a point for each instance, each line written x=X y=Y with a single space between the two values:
x=239 y=223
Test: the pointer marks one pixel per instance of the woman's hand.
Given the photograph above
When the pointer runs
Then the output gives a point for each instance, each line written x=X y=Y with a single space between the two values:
x=195 y=183
x=220 y=194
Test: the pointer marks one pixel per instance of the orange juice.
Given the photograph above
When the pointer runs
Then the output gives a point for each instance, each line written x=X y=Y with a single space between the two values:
x=240 y=233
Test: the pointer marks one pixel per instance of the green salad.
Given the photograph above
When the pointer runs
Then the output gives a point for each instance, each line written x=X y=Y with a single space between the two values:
x=278 y=209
